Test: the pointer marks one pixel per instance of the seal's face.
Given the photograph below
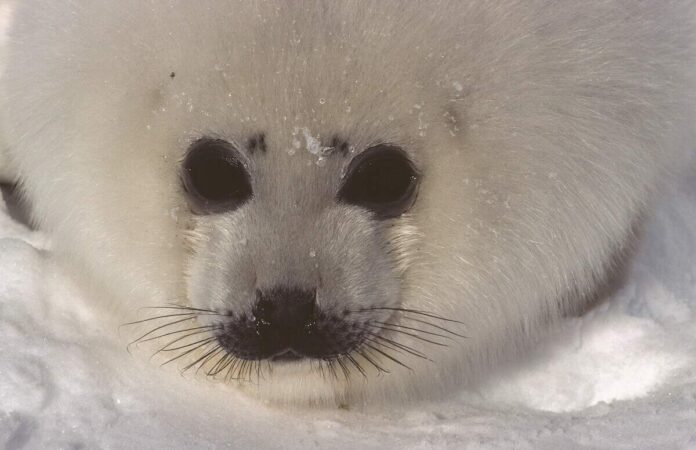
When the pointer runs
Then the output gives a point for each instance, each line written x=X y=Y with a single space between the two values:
x=295 y=258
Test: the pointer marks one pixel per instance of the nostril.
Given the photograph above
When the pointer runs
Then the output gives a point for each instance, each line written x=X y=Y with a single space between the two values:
x=264 y=309
x=284 y=307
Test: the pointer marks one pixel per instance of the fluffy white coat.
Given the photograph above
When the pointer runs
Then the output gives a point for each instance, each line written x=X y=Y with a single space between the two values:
x=541 y=128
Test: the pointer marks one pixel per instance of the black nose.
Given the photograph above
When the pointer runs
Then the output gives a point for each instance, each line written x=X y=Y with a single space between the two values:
x=286 y=324
x=285 y=309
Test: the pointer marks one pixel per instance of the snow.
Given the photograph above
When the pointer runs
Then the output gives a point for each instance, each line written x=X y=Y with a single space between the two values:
x=313 y=144
x=623 y=375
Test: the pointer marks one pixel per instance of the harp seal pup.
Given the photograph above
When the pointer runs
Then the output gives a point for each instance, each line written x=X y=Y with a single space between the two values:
x=336 y=190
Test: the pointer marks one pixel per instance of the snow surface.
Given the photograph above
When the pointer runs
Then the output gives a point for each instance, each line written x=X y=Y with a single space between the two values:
x=624 y=375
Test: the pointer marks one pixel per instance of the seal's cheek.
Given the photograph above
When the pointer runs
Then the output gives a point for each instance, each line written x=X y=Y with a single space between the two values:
x=321 y=292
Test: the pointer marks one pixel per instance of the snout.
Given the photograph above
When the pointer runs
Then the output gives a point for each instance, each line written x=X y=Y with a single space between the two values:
x=284 y=319
x=288 y=323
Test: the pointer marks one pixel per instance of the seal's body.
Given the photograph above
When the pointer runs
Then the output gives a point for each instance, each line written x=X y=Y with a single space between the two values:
x=330 y=190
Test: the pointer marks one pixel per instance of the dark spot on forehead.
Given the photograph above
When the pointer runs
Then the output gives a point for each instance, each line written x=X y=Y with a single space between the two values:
x=339 y=145
x=257 y=142
x=172 y=75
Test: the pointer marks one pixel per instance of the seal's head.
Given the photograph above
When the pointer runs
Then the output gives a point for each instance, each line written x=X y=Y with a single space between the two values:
x=303 y=217
x=304 y=266
x=331 y=191
x=297 y=259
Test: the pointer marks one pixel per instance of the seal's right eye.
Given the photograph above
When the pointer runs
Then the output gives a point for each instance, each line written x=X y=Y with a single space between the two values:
x=214 y=177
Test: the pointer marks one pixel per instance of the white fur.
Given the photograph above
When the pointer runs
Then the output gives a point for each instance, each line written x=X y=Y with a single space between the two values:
x=542 y=128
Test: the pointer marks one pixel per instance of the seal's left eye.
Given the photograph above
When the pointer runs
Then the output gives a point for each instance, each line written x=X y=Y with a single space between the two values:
x=382 y=179
x=214 y=177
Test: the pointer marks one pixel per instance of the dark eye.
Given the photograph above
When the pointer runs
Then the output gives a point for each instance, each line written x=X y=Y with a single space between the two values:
x=381 y=179
x=214 y=177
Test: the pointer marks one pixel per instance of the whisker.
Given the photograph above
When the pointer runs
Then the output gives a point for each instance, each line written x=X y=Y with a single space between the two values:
x=239 y=369
x=205 y=327
x=212 y=356
x=154 y=330
x=181 y=308
x=254 y=363
x=425 y=322
x=221 y=365
x=205 y=355
x=209 y=371
x=379 y=368
x=258 y=371
x=186 y=353
x=230 y=370
x=413 y=329
x=389 y=356
x=413 y=311
x=404 y=347
x=166 y=348
x=396 y=330
x=149 y=319
x=247 y=370
x=344 y=369
x=332 y=369
x=397 y=347
x=320 y=368
x=173 y=349
x=356 y=364
x=375 y=350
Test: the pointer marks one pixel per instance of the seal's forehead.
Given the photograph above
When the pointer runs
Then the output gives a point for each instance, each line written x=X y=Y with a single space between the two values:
x=257 y=67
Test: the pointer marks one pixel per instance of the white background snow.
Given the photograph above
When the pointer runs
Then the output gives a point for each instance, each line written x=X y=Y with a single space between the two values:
x=622 y=376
